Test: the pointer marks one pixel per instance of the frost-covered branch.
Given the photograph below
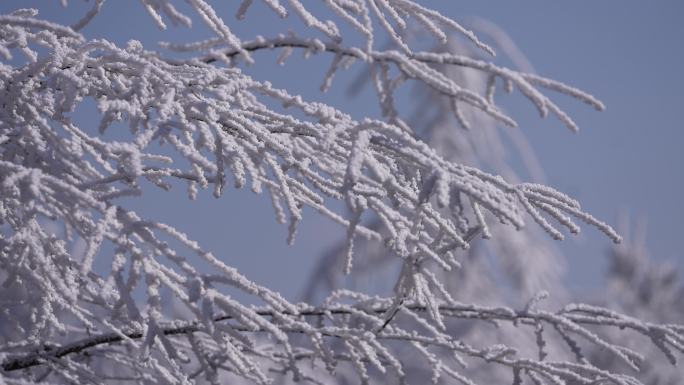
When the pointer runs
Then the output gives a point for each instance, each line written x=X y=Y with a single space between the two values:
x=196 y=122
x=364 y=163
x=412 y=66
x=572 y=322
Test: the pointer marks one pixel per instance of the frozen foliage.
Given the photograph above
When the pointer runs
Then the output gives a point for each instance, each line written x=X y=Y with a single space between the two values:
x=512 y=266
x=529 y=260
x=509 y=267
x=62 y=322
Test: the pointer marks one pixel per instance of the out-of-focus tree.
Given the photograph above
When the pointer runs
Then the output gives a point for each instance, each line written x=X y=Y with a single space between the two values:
x=648 y=290
x=414 y=188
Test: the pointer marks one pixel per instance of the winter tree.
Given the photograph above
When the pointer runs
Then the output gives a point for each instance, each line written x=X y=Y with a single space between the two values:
x=414 y=192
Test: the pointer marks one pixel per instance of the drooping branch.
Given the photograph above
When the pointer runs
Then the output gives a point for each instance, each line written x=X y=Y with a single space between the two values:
x=411 y=66
x=571 y=320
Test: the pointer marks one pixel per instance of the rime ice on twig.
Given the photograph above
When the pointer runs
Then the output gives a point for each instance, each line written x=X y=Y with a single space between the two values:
x=222 y=124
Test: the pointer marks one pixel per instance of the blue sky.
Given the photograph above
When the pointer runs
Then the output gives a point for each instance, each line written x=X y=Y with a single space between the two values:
x=625 y=159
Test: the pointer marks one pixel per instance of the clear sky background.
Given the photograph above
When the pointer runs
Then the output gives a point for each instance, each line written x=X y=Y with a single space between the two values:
x=626 y=159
